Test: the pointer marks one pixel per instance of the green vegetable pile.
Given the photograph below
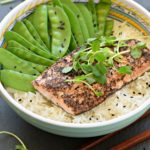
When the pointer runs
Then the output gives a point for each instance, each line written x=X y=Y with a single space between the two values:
x=49 y=33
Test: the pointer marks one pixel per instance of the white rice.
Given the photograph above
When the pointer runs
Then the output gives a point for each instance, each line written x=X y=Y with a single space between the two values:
x=122 y=102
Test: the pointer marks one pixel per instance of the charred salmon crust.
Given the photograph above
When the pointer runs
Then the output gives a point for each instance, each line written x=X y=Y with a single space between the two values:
x=76 y=98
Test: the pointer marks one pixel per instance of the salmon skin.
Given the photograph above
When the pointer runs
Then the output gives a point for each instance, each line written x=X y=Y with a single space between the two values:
x=76 y=98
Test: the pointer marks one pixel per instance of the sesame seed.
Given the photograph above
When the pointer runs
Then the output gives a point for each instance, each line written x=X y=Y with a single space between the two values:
x=10 y=7
x=95 y=25
x=19 y=100
x=120 y=33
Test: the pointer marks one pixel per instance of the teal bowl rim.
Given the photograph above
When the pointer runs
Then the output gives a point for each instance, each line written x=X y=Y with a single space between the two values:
x=145 y=106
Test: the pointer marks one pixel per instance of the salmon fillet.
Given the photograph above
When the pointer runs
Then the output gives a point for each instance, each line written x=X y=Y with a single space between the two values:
x=76 y=98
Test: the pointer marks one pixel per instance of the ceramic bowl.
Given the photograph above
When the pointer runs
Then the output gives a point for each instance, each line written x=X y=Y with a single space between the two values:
x=122 y=10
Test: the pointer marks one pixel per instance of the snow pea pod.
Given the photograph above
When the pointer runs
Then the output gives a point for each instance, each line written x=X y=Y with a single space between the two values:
x=37 y=62
x=58 y=3
x=60 y=29
x=12 y=62
x=87 y=18
x=39 y=19
x=102 y=12
x=29 y=56
x=21 y=29
x=79 y=16
x=39 y=68
x=109 y=27
x=34 y=58
x=92 y=9
x=13 y=43
x=34 y=33
x=75 y=26
x=16 y=80
x=10 y=35
x=73 y=44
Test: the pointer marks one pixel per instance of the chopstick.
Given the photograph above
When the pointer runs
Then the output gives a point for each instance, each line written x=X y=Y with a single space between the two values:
x=133 y=141
x=91 y=144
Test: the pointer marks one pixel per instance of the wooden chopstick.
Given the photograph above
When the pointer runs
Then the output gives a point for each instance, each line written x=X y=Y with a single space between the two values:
x=95 y=142
x=133 y=141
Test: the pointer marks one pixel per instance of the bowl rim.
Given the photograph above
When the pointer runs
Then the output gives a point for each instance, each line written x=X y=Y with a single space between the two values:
x=9 y=99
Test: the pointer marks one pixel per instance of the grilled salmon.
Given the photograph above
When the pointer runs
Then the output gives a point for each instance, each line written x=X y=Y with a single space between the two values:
x=76 y=98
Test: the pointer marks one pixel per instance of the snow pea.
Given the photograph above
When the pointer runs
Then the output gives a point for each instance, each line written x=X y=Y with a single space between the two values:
x=34 y=58
x=91 y=7
x=73 y=44
x=102 y=12
x=12 y=62
x=87 y=18
x=58 y=3
x=34 y=33
x=39 y=68
x=29 y=56
x=109 y=27
x=16 y=80
x=13 y=43
x=37 y=62
x=39 y=19
x=79 y=16
x=60 y=29
x=21 y=29
x=75 y=26
x=10 y=35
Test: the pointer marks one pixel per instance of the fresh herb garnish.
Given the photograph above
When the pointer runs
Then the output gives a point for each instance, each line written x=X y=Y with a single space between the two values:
x=97 y=56
x=140 y=45
x=86 y=68
x=67 y=69
x=100 y=57
x=82 y=79
x=95 y=45
x=136 y=51
x=18 y=147
x=6 y=1
x=125 y=70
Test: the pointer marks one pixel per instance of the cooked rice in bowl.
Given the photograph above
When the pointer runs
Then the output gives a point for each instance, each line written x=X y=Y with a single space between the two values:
x=122 y=102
